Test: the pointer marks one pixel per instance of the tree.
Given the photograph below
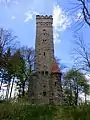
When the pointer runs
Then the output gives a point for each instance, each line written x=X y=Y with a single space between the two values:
x=28 y=56
x=11 y=65
x=81 y=54
x=25 y=69
x=74 y=84
x=18 y=65
x=81 y=12
x=7 y=44
x=85 y=5
x=86 y=91
x=14 y=63
x=7 y=40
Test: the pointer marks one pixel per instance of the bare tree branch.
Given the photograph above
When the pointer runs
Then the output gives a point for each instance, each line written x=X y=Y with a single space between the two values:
x=82 y=55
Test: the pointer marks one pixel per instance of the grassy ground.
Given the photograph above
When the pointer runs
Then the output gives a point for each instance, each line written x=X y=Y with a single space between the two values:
x=16 y=111
x=26 y=112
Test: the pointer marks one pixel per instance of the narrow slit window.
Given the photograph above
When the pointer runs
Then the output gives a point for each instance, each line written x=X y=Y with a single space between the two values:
x=44 y=53
x=42 y=72
x=44 y=93
x=46 y=72
x=55 y=83
x=44 y=30
x=44 y=86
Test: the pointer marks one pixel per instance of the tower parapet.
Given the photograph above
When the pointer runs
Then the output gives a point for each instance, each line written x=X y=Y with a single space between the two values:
x=45 y=21
x=44 y=17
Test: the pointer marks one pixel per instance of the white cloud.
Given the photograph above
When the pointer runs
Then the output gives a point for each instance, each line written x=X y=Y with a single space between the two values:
x=60 y=22
x=13 y=17
x=29 y=15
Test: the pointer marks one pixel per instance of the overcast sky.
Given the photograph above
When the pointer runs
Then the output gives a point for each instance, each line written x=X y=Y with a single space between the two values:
x=20 y=16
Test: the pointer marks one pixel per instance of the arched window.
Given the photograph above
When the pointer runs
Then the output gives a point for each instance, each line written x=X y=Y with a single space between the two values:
x=44 y=93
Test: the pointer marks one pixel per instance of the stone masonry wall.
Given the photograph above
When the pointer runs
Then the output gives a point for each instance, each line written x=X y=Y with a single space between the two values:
x=43 y=89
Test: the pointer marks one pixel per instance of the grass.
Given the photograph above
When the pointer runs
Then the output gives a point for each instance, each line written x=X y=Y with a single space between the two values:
x=26 y=112
x=15 y=111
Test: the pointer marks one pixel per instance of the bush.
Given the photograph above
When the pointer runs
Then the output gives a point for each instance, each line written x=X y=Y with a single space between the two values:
x=26 y=112
x=15 y=111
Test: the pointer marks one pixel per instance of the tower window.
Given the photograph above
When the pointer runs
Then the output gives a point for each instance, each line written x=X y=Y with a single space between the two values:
x=39 y=53
x=55 y=83
x=46 y=72
x=44 y=53
x=44 y=30
x=42 y=72
x=44 y=93
x=32 y=94
x=44 y=40
x=44 y=86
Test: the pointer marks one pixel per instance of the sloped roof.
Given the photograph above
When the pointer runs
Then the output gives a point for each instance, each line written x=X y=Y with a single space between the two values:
x=55 y=68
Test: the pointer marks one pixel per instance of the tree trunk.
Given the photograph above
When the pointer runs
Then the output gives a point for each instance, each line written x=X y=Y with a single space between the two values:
x=1 y=83
x=23 y=88
x=19 y=91
x=85 y=98
x=70 y=94
x=12 y=87
x=76 y=95
x=7 y=92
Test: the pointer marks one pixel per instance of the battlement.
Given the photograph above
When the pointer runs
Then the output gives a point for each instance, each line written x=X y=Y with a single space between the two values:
x=44 y=17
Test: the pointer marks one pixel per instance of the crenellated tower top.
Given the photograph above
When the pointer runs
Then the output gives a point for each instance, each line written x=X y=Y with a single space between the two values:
x=45 y=21
x=44 y=17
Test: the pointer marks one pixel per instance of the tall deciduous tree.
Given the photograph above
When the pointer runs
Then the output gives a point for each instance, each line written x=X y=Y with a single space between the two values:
x=28 y=56
x=7 y=44
x=85 y=8
x=81 y=54
x=26 y=67
x=74 y=84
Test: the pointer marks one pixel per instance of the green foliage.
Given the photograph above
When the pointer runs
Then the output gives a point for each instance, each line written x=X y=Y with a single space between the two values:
x=74 y=84
x=15 y=111
x=73 y=113
x=26 y=112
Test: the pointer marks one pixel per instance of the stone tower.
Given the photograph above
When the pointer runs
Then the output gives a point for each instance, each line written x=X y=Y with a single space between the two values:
x=44 y=47
x=45 y=86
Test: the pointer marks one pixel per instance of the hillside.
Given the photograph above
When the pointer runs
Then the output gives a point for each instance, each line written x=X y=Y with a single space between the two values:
x=16 y=111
